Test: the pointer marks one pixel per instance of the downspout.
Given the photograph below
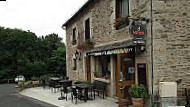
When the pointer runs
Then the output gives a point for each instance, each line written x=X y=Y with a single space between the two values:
x=152 y=64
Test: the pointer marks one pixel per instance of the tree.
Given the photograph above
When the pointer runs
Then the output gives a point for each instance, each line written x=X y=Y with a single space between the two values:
x=22 y=52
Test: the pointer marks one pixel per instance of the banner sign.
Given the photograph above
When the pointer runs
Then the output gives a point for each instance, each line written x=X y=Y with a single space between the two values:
x=110 y=52
x=137 y=31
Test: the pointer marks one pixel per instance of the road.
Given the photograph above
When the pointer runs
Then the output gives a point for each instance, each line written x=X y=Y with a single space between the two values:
x=10 y=99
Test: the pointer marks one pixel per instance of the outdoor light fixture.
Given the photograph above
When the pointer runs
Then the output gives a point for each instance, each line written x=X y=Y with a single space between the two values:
x=142 y=48
x=77 y=55
x=142 y=19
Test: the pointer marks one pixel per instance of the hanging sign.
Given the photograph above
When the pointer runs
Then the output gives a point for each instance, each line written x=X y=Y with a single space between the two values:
x=137 y=31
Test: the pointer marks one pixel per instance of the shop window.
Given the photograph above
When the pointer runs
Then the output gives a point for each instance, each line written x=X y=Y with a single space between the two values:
x=87 y=30
x=103 y=67
x=74 y=37
x=122 y=8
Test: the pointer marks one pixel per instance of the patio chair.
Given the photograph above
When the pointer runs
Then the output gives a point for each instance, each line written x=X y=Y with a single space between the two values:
x=75 y=94
x=100 y=88
x=187 y=94
x=66 y=88
x=55 y=86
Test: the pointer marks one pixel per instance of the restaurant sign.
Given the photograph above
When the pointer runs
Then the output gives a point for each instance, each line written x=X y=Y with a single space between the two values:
x=110 y=52
x=137 y=31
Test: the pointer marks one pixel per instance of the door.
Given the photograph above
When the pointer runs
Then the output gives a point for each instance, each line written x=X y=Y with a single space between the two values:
x=88 y=69
x=126 y=77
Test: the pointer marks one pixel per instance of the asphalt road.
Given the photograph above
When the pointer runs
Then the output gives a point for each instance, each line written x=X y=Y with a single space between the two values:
x=10 y=99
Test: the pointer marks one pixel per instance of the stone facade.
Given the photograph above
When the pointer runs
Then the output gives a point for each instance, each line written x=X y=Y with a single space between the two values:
x=170 y=32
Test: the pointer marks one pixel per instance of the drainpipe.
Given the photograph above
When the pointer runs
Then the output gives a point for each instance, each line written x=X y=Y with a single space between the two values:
x=152 y=64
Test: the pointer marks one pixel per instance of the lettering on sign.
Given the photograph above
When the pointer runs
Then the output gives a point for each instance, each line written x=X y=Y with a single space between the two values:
x=137 y=31
x=110 y=52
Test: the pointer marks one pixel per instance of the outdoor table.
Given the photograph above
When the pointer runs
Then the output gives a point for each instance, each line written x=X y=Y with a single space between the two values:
x=54 y=79
x=85 y=87
x=64 y=85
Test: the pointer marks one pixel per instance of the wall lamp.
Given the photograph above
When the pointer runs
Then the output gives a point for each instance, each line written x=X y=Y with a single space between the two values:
x=77 y=55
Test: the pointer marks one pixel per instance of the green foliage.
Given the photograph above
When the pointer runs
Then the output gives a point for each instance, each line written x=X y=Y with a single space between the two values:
x=28 y=82
x=95 y=73
x=22 y=52
x=138 y=91
x=34 y=78
x=46 y=76
x=20 y=84
x=87 y=82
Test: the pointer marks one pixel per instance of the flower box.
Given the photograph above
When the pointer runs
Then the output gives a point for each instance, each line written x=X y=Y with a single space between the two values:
x=86 y=45
x=121 y=22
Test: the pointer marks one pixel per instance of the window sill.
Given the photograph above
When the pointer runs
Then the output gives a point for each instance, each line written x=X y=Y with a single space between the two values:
x=102 y=80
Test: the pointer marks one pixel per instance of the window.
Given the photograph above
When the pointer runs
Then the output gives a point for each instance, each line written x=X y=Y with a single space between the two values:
x=74 y=64
x=122 y=8
x=74 y=37
x=87 y=30
x=103 y=67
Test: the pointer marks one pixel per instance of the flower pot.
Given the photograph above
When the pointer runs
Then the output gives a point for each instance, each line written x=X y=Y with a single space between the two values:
x=137 y=102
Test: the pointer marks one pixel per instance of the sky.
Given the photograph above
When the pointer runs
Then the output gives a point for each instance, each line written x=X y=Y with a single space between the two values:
x=42 y=17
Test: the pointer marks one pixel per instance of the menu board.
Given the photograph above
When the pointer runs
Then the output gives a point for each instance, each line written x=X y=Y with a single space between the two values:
x=142 y=76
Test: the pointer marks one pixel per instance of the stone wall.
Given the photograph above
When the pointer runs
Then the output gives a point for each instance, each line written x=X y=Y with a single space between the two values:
x=171 y=32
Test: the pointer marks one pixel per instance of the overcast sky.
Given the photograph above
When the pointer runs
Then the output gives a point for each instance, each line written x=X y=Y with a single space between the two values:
x=39 y=16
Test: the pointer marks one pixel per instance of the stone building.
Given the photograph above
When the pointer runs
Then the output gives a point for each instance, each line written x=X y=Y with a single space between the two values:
x=96 y=46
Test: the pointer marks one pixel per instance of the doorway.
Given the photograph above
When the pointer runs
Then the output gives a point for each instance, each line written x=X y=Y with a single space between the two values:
x=125 y=77
x=88 y=69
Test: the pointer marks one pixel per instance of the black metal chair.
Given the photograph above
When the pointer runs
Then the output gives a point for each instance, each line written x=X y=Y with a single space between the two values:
x=187 y=94
x=75 y=94
x=66 y=89
x=55 y=86
x=100 y=87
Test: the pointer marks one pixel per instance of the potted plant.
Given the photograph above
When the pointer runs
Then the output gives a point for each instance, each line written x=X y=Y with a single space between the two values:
x=138 y=93
x=107 y=75
x=95 y=74
x=74 y=68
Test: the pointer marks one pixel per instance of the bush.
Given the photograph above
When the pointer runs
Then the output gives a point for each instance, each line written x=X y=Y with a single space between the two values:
x=35 y=78
x=28 y=82
x=20 y=84
x=46 y=76
x=138 y=91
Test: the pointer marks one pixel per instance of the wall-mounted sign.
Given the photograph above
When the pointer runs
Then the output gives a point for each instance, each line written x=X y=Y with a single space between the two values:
x=137 y=31
x=110 y=52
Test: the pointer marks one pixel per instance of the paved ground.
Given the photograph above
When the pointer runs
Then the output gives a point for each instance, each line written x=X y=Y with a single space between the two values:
x=10 y=99
x=47 y=96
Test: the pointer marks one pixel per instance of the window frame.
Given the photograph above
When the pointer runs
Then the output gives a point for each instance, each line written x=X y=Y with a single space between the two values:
x=89 y=30
x=118 y=8
x=74 y=36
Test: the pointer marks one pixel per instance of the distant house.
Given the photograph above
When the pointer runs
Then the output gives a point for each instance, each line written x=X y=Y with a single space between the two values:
x=130 y=41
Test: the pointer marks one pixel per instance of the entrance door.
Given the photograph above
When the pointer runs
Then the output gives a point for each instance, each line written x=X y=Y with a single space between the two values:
x=88 y=69
x=126 y=77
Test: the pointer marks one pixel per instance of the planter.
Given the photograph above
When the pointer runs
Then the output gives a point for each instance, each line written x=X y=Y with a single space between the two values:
x=137 y=102
x=35 y=82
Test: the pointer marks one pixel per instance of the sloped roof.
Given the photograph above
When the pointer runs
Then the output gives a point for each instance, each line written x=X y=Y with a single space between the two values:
x=78 y=12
